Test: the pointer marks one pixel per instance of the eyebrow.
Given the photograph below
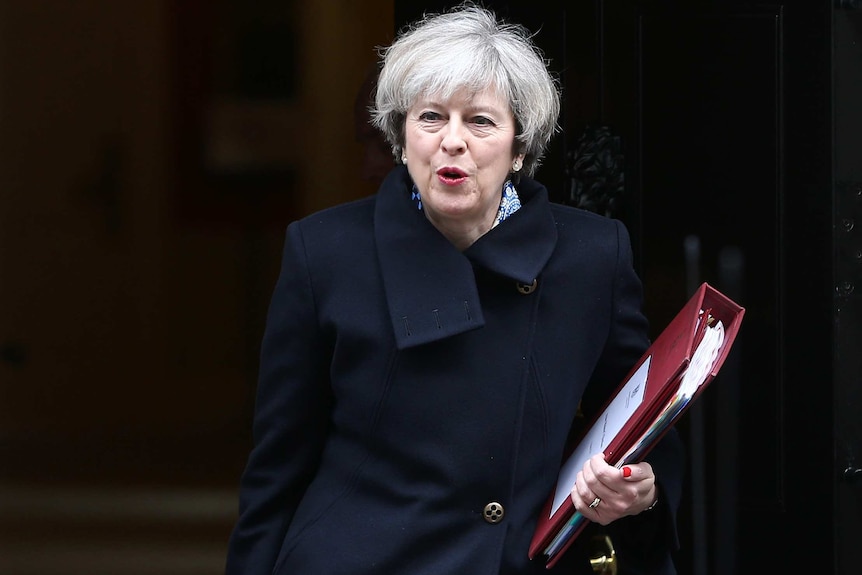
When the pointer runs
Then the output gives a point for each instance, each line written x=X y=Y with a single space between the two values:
x=471 y=106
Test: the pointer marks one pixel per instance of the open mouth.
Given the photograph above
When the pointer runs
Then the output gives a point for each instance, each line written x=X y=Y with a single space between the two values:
x=451 y=174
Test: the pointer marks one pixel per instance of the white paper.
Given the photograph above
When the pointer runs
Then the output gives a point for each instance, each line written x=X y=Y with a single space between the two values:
x=602 y=432
x=702 y=360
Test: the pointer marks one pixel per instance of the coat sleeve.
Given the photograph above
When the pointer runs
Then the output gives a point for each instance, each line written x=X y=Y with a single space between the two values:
x=290 y=419
x=645 y=541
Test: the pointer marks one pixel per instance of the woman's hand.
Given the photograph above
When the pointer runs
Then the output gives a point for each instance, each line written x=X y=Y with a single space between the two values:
x=603 y=493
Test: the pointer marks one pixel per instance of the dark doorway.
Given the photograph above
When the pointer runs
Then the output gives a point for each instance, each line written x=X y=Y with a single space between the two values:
x=724 y=114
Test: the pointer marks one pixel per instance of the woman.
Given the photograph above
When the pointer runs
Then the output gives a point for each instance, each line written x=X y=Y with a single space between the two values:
x=427 y=348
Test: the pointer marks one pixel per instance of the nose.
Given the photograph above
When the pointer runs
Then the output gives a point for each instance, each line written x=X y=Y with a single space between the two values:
x=454 y=141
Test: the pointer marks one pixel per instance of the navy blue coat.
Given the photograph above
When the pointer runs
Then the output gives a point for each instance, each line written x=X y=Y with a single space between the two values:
x=405 y=384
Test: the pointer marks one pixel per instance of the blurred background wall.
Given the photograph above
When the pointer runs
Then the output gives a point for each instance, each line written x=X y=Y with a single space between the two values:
x=151 y=153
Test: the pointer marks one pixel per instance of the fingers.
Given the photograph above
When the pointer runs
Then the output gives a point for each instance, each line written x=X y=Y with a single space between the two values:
x=586 y=502
x=637 y=472
x=594 y=485
x=595 y=478
x=642 y=480
x=603 y=493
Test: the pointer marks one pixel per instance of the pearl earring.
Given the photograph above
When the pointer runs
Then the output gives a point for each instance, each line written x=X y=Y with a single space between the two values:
x=516 y=165
x=403 y=158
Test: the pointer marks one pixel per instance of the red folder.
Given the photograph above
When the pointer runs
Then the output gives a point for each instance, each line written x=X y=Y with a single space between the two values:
x=672 y=383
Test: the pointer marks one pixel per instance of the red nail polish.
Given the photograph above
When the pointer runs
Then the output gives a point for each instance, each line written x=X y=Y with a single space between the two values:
x=627 y=471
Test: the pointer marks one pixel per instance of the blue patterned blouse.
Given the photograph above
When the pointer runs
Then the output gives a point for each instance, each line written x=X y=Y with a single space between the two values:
x=509 y=204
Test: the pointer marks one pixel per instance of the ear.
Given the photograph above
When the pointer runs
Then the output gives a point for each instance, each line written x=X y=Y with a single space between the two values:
x=517 y=163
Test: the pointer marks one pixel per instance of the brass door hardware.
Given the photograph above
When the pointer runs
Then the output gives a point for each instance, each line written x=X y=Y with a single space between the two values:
x=603 y=559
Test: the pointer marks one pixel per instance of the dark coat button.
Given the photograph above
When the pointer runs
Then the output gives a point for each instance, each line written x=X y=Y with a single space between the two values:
x=527 y=289
x=493 y=512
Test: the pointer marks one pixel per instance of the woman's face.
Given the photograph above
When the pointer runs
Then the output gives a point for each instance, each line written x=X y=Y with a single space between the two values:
x=459 y=153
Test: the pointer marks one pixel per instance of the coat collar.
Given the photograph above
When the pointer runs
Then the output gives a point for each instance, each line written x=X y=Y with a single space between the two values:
x=430 y=285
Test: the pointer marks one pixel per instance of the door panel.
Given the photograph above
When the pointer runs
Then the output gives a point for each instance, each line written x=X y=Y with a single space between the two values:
x=710 y=204
x=61 y=250
x=112 y=362
x=724 y=109
x=847 y=29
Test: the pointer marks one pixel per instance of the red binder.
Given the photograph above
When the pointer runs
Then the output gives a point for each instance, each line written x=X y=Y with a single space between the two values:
x=666 y=381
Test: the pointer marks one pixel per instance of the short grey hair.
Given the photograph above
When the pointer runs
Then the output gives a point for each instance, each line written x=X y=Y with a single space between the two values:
x=468 y=47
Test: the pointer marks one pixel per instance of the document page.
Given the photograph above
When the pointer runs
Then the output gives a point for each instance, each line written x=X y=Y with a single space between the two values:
x=703 y=359
x=606 y=427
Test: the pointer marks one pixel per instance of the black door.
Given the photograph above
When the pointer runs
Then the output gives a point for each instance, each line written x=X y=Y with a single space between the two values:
x=732 y=167
x=725 y=111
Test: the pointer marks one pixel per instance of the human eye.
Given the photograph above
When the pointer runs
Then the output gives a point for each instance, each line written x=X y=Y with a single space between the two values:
x=482 y=121
x=429 y=116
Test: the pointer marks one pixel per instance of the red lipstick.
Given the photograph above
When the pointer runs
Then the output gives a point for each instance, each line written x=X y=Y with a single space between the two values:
x=451 y=176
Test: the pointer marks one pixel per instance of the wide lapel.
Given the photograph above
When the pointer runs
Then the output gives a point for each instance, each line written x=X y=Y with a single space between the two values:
x=429 y=284
x=520 y=247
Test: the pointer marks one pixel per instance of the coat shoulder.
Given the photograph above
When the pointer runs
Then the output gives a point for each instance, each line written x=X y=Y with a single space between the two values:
x=357 y=212
x=342 y=235
x=578 y=223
